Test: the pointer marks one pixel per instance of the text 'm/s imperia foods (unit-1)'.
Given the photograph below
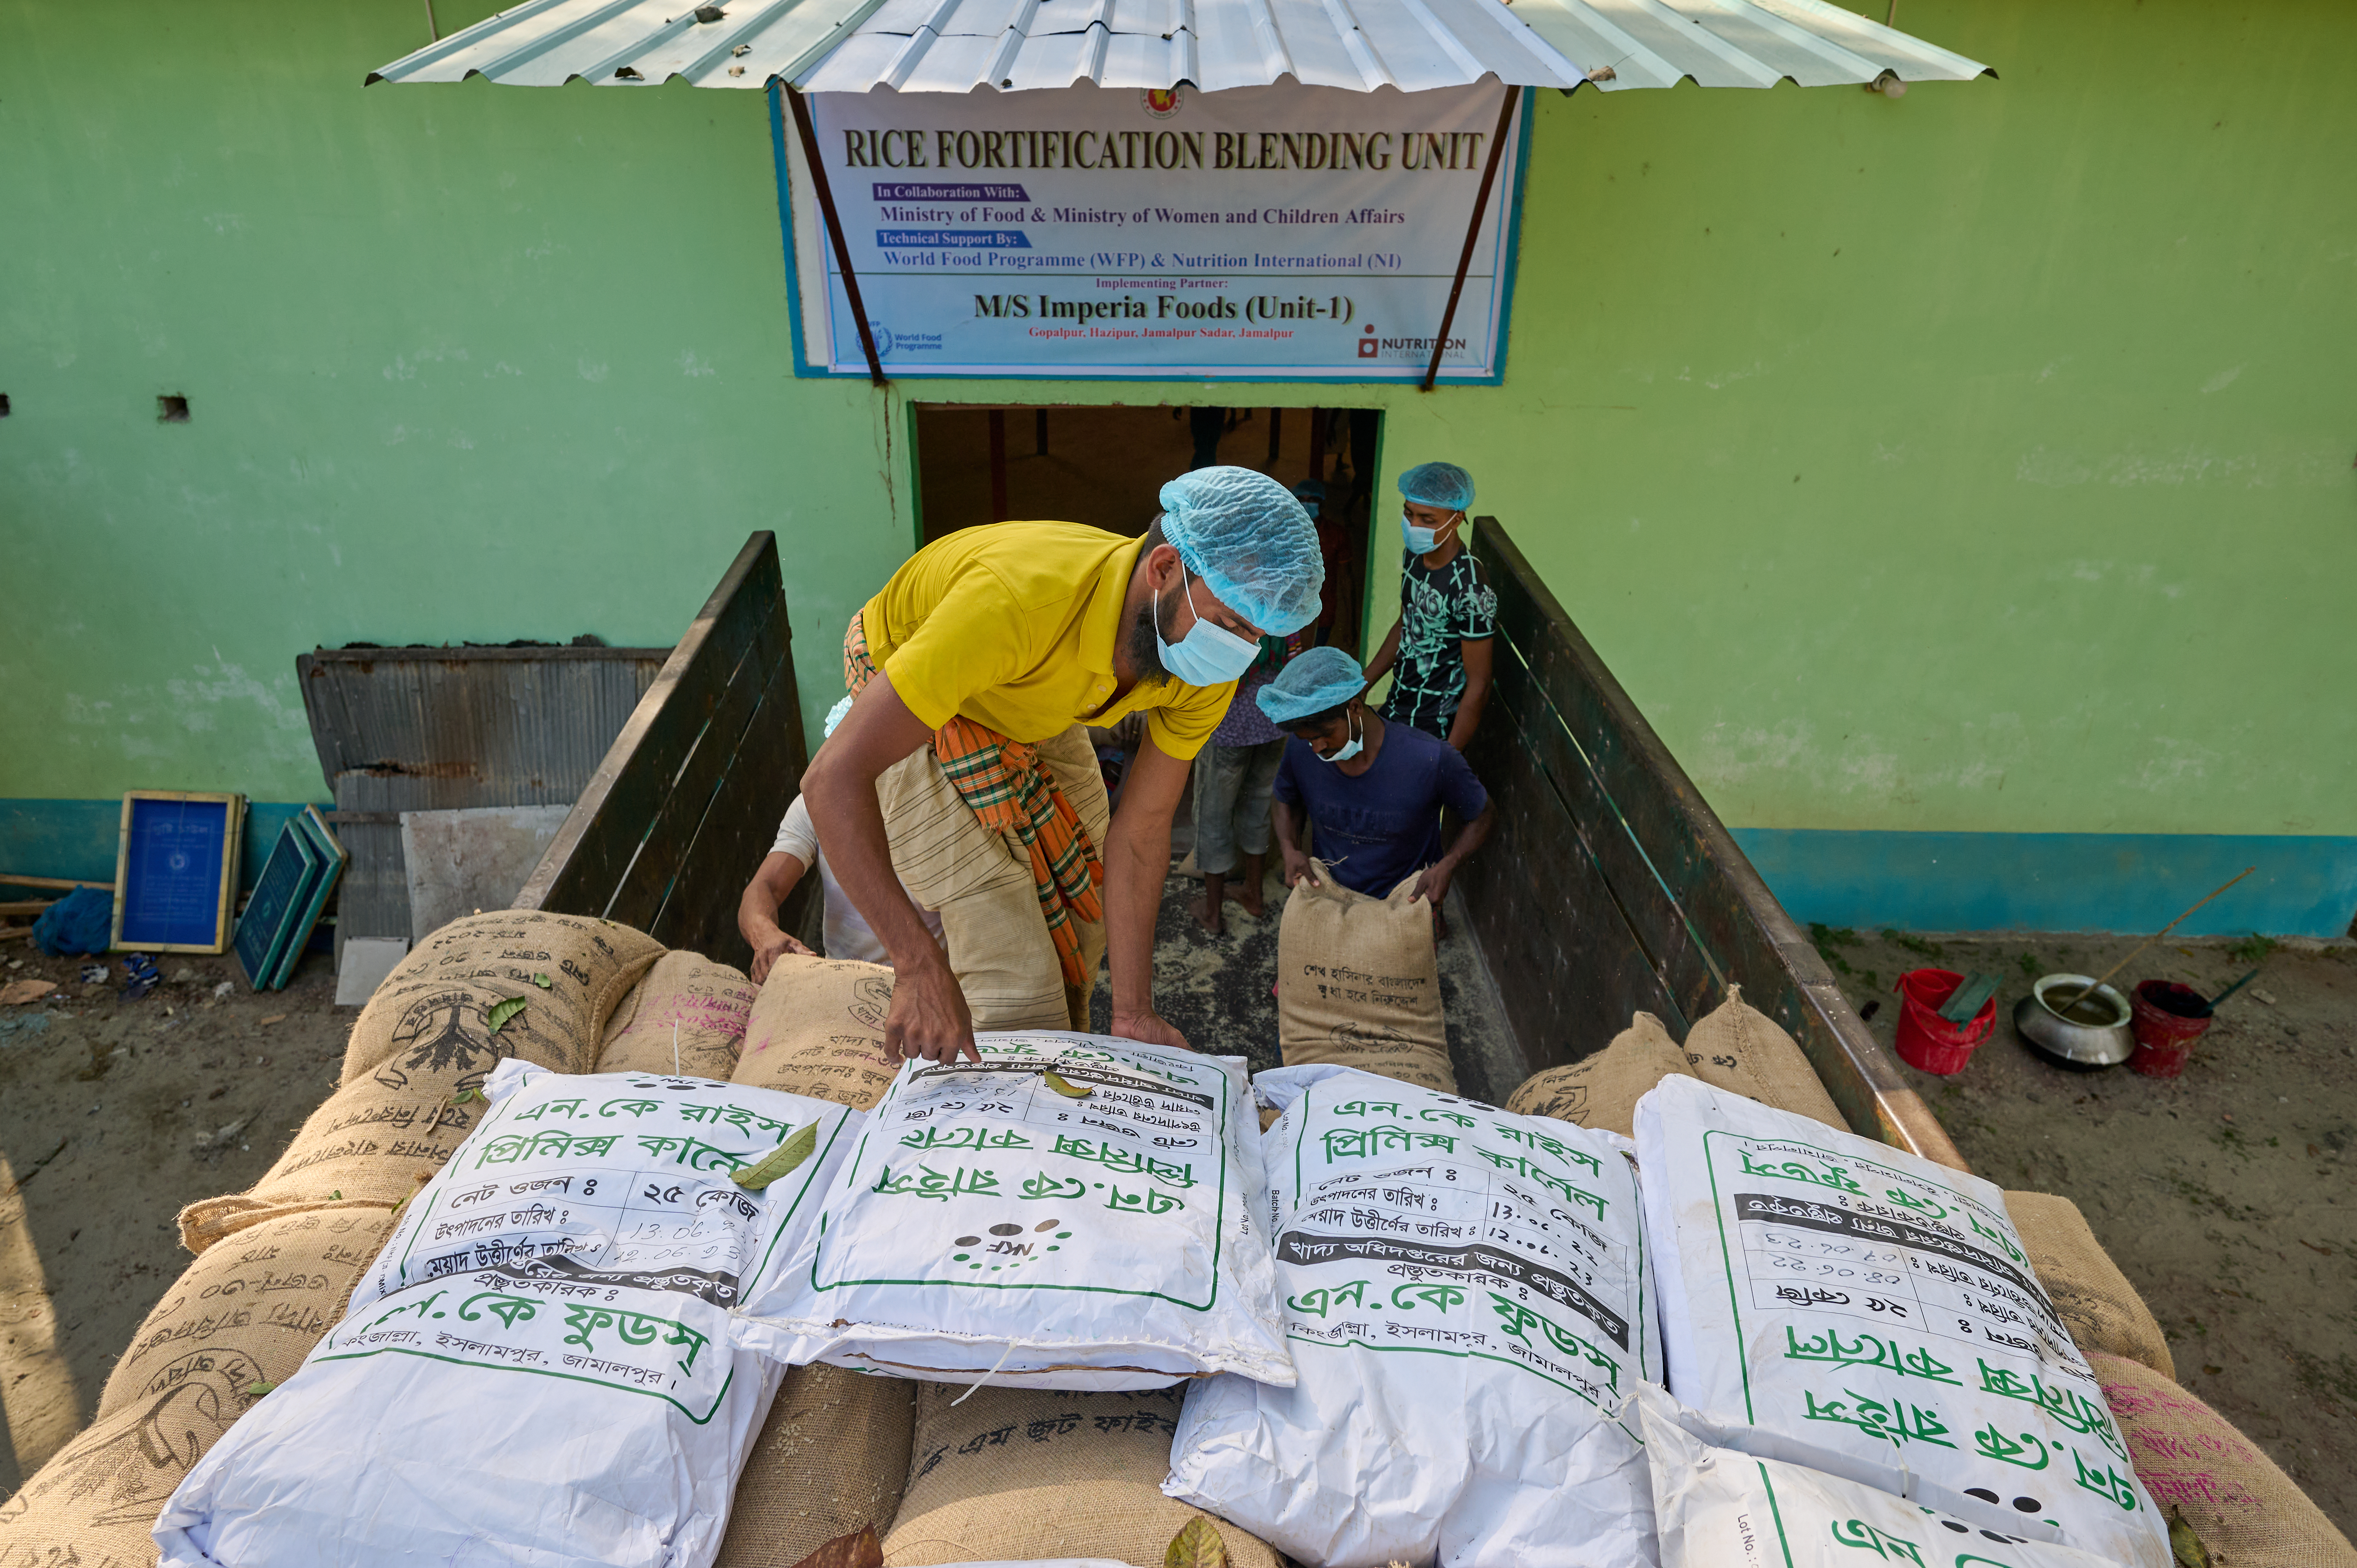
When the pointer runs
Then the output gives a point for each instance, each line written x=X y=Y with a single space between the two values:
x=1071 y=1212
x=1465 y=1291
x=1841 y=1304
x=545 y=1363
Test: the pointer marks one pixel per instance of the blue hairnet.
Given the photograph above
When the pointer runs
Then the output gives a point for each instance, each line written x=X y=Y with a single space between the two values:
x=1250 y=542
x=1437 y=484
x=1320 y=679
x=1310 y=490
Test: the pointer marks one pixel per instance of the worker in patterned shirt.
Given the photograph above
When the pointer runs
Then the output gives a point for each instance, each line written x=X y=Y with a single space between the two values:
x=1438 y=654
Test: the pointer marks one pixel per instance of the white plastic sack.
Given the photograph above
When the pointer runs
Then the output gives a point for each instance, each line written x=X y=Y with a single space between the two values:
x=1843 y=1305
x=1719 y=1509
x=542 y=1366
x=992 y=1227
x=1465 y=1291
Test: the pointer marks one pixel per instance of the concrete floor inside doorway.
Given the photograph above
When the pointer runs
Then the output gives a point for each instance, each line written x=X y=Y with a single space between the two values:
x=2224 y=1194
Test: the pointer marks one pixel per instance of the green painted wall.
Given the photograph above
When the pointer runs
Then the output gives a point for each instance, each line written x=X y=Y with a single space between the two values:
x=1975 y=461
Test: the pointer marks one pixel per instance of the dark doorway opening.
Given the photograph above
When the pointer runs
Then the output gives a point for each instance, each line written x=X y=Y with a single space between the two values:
x=980 y=464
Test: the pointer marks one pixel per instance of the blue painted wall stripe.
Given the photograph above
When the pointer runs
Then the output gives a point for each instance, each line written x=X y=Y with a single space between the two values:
x=78 y=838
x=2305 y=886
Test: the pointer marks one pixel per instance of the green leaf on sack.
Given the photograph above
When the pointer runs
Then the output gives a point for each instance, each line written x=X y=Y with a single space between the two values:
x=542 y=981
x=336 y=1195
x=779 y=1161
x=1197 y=1546
x=257 y=1388
x=503 y=1010
x=2183 y=1544
x=1069 y=1091
x=464 y=1095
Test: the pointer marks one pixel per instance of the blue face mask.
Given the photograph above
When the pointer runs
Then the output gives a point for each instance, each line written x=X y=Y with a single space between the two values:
x=1344 y=752
x=1207 y=655
x=1422 y=541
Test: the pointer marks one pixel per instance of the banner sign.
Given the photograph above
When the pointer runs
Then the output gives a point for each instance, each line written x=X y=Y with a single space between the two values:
x=1274 y=233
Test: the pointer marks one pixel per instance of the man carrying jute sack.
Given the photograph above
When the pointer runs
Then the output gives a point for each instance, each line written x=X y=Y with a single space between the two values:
x=992 y=647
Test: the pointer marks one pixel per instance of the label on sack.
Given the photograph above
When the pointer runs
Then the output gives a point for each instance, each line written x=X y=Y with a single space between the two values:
x=1719 y=1509
x=560 y=1303
x=1834 y=1301
x=1465 y=1291
x=1071 y=1212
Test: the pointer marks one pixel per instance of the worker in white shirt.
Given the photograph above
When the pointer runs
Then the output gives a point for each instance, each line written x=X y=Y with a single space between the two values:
x=848 y=934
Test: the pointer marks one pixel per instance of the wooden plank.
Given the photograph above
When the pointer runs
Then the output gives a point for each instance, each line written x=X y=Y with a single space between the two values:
x=604 y=858
x=594 y=847
x=1567 y=967
x=66 y=882
x=1656 y=923
x=699 y=911
x=1724 y=900
x=680 y=813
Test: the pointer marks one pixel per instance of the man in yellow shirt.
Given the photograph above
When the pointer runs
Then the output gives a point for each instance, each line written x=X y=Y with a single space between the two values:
x=993 y=645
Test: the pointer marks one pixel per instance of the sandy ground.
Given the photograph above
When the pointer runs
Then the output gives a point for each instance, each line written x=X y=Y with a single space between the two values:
x=2224 y=1194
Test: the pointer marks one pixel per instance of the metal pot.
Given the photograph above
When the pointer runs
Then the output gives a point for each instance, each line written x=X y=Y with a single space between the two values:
x=2083 y=1047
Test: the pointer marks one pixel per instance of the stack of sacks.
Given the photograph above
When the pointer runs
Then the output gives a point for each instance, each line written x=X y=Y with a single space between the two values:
x=1719 y=1507
x=544 y=1363
x=1358 y=983
x=817 y=1030
x=2103 y=1310
x=687 y=1015
x=1837 y=1303
x=1736 y=1047
x=830 y=1462
x=1070 y=1212
x=1465 y=1291
x=2247 y=1512
x=1602 y=1090
x=422 y=1050
x=240 y=1320
x=1023 y=1475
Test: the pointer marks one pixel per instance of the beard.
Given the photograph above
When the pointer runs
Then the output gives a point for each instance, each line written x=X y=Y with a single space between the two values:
x=1145 y=650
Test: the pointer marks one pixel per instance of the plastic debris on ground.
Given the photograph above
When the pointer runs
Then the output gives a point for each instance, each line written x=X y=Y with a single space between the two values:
x=143 y=978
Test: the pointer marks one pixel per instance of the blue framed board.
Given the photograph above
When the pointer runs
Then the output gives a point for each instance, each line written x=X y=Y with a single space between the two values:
x=332 y=858
x=267 y=928
x=176 y=871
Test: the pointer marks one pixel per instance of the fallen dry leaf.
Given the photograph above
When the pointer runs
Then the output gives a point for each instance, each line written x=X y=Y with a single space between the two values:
x=21 y=991
x=1197 y=1545
x=860 y=1550
x=273 y=1018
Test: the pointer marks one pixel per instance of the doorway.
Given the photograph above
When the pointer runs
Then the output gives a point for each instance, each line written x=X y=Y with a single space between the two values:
x=981 y=464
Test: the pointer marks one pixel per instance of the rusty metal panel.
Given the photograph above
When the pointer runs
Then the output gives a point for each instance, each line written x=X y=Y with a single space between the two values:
x=412 y=729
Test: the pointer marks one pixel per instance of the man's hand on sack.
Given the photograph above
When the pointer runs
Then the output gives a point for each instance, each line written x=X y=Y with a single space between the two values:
x=1433 y=886
x=1297 y=868
x=772 y=948
x=1152 y=1028
x=929 y=1017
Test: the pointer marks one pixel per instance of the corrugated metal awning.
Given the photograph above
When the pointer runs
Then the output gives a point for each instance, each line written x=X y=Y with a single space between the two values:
x=956 y=46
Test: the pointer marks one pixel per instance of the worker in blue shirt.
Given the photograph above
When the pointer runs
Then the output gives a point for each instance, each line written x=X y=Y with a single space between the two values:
x=1373 y=789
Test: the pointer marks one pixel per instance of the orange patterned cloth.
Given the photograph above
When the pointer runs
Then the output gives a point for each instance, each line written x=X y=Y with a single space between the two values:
x=1006 y=785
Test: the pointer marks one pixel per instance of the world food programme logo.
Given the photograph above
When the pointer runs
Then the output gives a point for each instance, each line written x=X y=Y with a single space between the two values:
x=1161 y=102
x=883 y=336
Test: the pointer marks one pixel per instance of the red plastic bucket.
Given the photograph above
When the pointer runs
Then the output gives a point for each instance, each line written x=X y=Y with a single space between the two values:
x=2167 y=1018
x=1925 y=1039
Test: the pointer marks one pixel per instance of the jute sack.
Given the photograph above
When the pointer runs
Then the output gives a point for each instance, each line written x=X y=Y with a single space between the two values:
x=817 y=1029
x=1741 y=1048
x=1017 y=1475
x=369 y=1147
x=249 y=1312
x=2246 y=1511
x=2103 y=1310
x=1602 y=1090
x=93 y=1503
x=830 y=1462
x=430 y=1015
x=1358 y=983
x=686 y=1002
